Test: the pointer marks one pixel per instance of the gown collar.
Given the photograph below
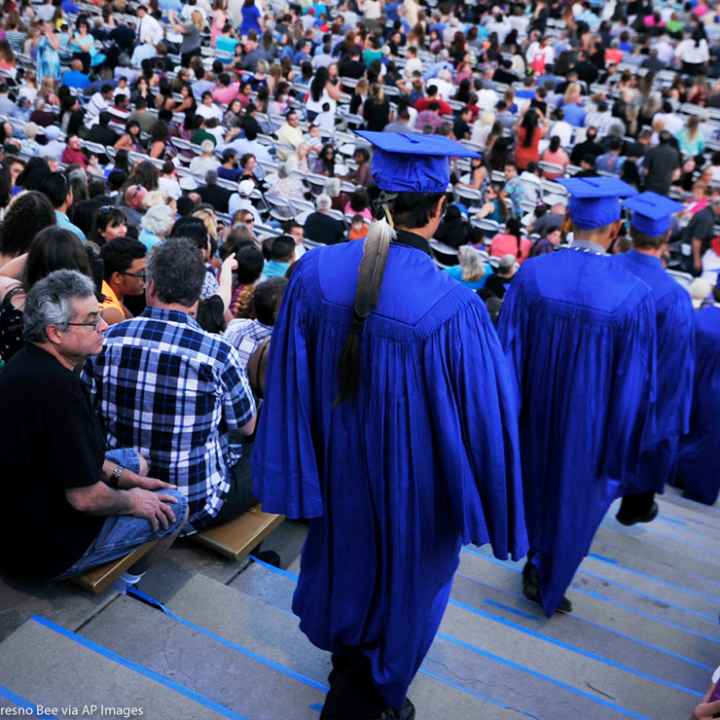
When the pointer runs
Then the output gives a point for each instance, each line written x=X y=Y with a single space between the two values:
x=588 y=247
x=403 y=237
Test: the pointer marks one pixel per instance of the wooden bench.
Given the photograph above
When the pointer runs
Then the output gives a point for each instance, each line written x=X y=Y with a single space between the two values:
x=239 y=537
x=100 y=578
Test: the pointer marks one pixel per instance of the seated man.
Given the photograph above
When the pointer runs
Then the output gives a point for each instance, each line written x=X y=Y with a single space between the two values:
x=166 y=385
x=70 y=506
x=321 y=227
x=124 y=274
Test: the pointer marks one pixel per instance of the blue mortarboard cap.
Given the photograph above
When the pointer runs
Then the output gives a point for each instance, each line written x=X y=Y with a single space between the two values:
x=411 y=162
x=595 y=201
x=652 y=213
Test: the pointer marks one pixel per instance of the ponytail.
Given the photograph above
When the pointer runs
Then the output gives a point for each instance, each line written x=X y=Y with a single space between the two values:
x=371 y=271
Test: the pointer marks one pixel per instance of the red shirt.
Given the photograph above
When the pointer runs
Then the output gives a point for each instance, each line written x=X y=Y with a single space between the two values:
x=74 y=157
x=443 y=107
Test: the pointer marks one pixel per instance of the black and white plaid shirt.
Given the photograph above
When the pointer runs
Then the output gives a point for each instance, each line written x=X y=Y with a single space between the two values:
x=169 y=389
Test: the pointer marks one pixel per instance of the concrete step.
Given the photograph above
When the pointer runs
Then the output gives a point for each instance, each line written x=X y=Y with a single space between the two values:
x=556 y=653
x=273 y=633
x=206 y=663
x=44 y=664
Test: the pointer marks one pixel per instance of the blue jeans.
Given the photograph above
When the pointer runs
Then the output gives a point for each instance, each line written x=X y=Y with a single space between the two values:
x=122 y=533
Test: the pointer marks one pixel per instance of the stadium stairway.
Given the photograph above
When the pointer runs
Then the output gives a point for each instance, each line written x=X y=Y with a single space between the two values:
x=206 y=638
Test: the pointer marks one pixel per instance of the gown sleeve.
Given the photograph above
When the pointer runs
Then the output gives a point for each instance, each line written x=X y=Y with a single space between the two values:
x=477 y=420
x=676 y=348
x=632 y=410
x=285 y=471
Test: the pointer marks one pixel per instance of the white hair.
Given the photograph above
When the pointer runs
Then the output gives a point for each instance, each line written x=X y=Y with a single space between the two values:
x=323 y=202
x=159 y=220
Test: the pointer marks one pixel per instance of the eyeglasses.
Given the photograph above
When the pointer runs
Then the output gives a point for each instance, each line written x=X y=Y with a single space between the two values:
x=249 y=221
x=138 y=275
x=94 y=324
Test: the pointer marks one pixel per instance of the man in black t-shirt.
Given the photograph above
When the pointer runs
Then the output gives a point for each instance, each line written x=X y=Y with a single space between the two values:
x=697 y=236
x=69 y=506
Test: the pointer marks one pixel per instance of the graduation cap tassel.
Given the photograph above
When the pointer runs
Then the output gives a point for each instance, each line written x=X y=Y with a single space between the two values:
x=371 y=271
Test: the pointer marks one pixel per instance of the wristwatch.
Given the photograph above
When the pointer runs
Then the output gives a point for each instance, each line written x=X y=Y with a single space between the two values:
x=115 y=476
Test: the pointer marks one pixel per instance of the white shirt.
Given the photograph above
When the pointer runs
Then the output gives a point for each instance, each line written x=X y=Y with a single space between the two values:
x=170 y=186
x=93 y=109
x=239 y=202
x=665 y=51
x=688 y=52
x=563 y=130
x=414 y=64
x=200 y=165
x=213 y=111
x=150 y=30
x=242 y=146
x=371 y=9
x=445 y=89
x=487 y=99
x=671 y=122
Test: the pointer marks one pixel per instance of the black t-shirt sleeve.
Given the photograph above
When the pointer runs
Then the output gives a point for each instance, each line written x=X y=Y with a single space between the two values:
x=73 y=436
x=701 y=227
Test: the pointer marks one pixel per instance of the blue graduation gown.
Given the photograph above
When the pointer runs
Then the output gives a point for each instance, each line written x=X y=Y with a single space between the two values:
x=580 y=333
x=423 y=460
x=675 y=373
x=699 y=463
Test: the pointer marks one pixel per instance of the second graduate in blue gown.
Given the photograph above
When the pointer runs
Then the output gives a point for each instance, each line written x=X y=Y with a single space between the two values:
x=580 y=333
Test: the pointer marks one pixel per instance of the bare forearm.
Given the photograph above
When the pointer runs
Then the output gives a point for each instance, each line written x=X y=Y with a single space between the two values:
x=100 y=499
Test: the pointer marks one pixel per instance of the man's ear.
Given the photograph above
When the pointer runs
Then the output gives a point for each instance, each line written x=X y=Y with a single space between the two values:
x=54 y=334
x=440 y=207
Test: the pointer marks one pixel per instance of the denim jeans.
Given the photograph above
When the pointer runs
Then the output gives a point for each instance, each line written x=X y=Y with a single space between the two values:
x=122 y=533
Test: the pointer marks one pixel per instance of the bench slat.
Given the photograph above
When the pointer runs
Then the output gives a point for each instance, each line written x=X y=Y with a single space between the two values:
x=239 y=537
x=100 y=578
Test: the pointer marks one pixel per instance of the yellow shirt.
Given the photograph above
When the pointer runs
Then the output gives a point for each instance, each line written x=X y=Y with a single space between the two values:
x=111 y=301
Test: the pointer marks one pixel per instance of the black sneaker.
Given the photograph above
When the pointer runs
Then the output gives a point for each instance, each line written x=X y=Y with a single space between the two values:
x=649 y=517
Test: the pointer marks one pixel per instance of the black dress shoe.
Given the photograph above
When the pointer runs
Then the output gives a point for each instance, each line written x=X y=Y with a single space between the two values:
x=648 y=517
x=406 y=712
x=531 y=590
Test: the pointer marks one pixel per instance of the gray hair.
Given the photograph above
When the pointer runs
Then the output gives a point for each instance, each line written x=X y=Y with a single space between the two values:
x=323 y=202
x=471 y=262
x=177 y=269
x=49 y=302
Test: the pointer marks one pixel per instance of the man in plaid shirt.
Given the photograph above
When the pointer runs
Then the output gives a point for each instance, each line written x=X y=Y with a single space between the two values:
x=176 y=393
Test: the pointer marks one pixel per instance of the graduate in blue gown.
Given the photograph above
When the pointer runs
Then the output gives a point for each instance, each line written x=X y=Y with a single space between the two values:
x=699 y=465
x=390 y=420
x=580 y=333
x=650 y=228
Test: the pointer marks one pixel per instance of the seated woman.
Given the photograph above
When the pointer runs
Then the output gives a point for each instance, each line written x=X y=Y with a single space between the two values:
x=52 y=249
x=473 y=271
x=511 y=242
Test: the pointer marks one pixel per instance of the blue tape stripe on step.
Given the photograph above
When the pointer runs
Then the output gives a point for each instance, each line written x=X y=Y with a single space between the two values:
x=261 y=659
x=541 y=676
x=140 y=669
x=654 y=578
x=22 y=702
x=575 y=649
x=595 y=595
x=517 y=568
x=604 y=628
x=278 y=571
